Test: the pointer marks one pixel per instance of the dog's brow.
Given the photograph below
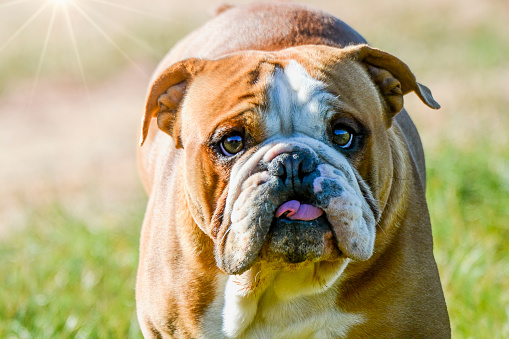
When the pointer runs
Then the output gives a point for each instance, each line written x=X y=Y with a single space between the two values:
x=297 y=102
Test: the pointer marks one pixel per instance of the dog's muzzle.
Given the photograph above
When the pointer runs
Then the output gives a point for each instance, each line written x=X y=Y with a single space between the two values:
x=299 y=231
x=285 y=204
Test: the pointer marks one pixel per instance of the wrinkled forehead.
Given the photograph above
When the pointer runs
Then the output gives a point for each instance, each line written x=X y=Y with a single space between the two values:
x=226 y=88
x=283 y=93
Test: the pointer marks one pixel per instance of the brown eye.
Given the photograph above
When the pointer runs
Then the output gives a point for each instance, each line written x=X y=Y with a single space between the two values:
x=342 y=137
x=232 y=144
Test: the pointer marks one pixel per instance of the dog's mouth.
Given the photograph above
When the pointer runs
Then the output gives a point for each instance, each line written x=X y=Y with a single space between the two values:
x=300 y=232
x=295 y=210
x=325 y=218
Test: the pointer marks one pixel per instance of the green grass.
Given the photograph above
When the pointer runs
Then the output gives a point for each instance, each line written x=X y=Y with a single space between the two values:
x=468 y=196
x=63 y=278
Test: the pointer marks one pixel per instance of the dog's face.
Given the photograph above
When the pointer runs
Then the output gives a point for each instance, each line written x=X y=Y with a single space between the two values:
x=287 y=154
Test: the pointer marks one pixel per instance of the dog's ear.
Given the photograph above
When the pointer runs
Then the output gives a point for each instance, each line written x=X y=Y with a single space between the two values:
x=392 y=76
x=165 y=96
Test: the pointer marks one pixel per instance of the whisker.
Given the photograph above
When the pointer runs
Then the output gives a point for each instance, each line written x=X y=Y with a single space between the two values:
x=256 y=276
x=224 y=235
x=380 y=227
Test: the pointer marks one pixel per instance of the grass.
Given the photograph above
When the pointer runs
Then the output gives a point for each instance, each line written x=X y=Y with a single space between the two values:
x=468 y=194
x=64 y=278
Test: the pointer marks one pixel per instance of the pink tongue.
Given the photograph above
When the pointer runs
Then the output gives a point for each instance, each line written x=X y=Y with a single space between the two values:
x=298 y=211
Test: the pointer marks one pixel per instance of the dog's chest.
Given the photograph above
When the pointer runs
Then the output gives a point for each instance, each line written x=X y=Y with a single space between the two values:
x=268 y=316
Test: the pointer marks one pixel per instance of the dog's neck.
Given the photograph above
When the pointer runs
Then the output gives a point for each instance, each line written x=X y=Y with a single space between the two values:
x=265 y=302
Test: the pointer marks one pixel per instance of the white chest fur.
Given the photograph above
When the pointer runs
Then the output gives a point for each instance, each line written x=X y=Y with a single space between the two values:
x=277 y=312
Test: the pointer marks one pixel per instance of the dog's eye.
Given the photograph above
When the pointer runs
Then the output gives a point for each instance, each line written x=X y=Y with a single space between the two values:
x=342 y=137
x=232 y=144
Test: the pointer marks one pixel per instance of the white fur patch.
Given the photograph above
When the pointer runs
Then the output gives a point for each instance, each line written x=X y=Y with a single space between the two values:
x=239 y=308
x=298 y=103
x=284 y=308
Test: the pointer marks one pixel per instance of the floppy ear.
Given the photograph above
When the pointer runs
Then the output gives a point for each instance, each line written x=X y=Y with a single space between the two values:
x=165 y=96
x=392 y=76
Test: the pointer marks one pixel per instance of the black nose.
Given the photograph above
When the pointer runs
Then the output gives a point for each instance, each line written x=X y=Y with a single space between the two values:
x=293 y=167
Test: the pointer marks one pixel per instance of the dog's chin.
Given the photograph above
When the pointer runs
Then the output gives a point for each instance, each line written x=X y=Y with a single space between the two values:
x=297 y=242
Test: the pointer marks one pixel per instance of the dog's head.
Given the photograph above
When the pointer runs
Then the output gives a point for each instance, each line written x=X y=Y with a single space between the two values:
x=287 y=154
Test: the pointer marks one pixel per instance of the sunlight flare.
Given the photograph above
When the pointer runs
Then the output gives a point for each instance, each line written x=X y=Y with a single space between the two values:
x=106 y=36
x=127 y=8
x=25 y=25
x=42 y=56
x=77 y=53
x=70 y=11
x=10 y=3
x=61 y=2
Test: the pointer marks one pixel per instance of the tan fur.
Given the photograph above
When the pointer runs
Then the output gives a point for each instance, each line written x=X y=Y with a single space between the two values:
x=395 y=293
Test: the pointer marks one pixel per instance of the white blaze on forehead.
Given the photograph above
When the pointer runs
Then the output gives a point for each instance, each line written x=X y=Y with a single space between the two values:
x=298 y=103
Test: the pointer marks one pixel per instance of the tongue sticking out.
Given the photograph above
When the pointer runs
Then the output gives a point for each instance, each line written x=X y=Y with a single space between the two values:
x=298 y=211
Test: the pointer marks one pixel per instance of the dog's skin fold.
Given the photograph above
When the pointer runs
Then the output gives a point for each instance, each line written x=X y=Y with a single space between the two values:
x=215 y=261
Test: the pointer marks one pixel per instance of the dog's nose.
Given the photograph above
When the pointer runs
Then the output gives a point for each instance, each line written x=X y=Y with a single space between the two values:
x=293 y=166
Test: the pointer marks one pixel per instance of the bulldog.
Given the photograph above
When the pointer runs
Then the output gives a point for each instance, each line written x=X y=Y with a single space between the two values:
x=286 y=186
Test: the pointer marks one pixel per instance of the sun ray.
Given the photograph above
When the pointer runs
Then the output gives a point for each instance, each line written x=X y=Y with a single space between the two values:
x=140 y=42
x=25 y=25
x=43 y=54
x=108 y=38
x=77 y=54
x=14 y=2
x=127 y=8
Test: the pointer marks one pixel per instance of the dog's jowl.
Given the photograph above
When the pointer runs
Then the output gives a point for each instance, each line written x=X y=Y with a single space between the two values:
x=286 y=186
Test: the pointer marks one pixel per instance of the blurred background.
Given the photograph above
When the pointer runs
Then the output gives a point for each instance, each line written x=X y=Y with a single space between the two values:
x=73 y=76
